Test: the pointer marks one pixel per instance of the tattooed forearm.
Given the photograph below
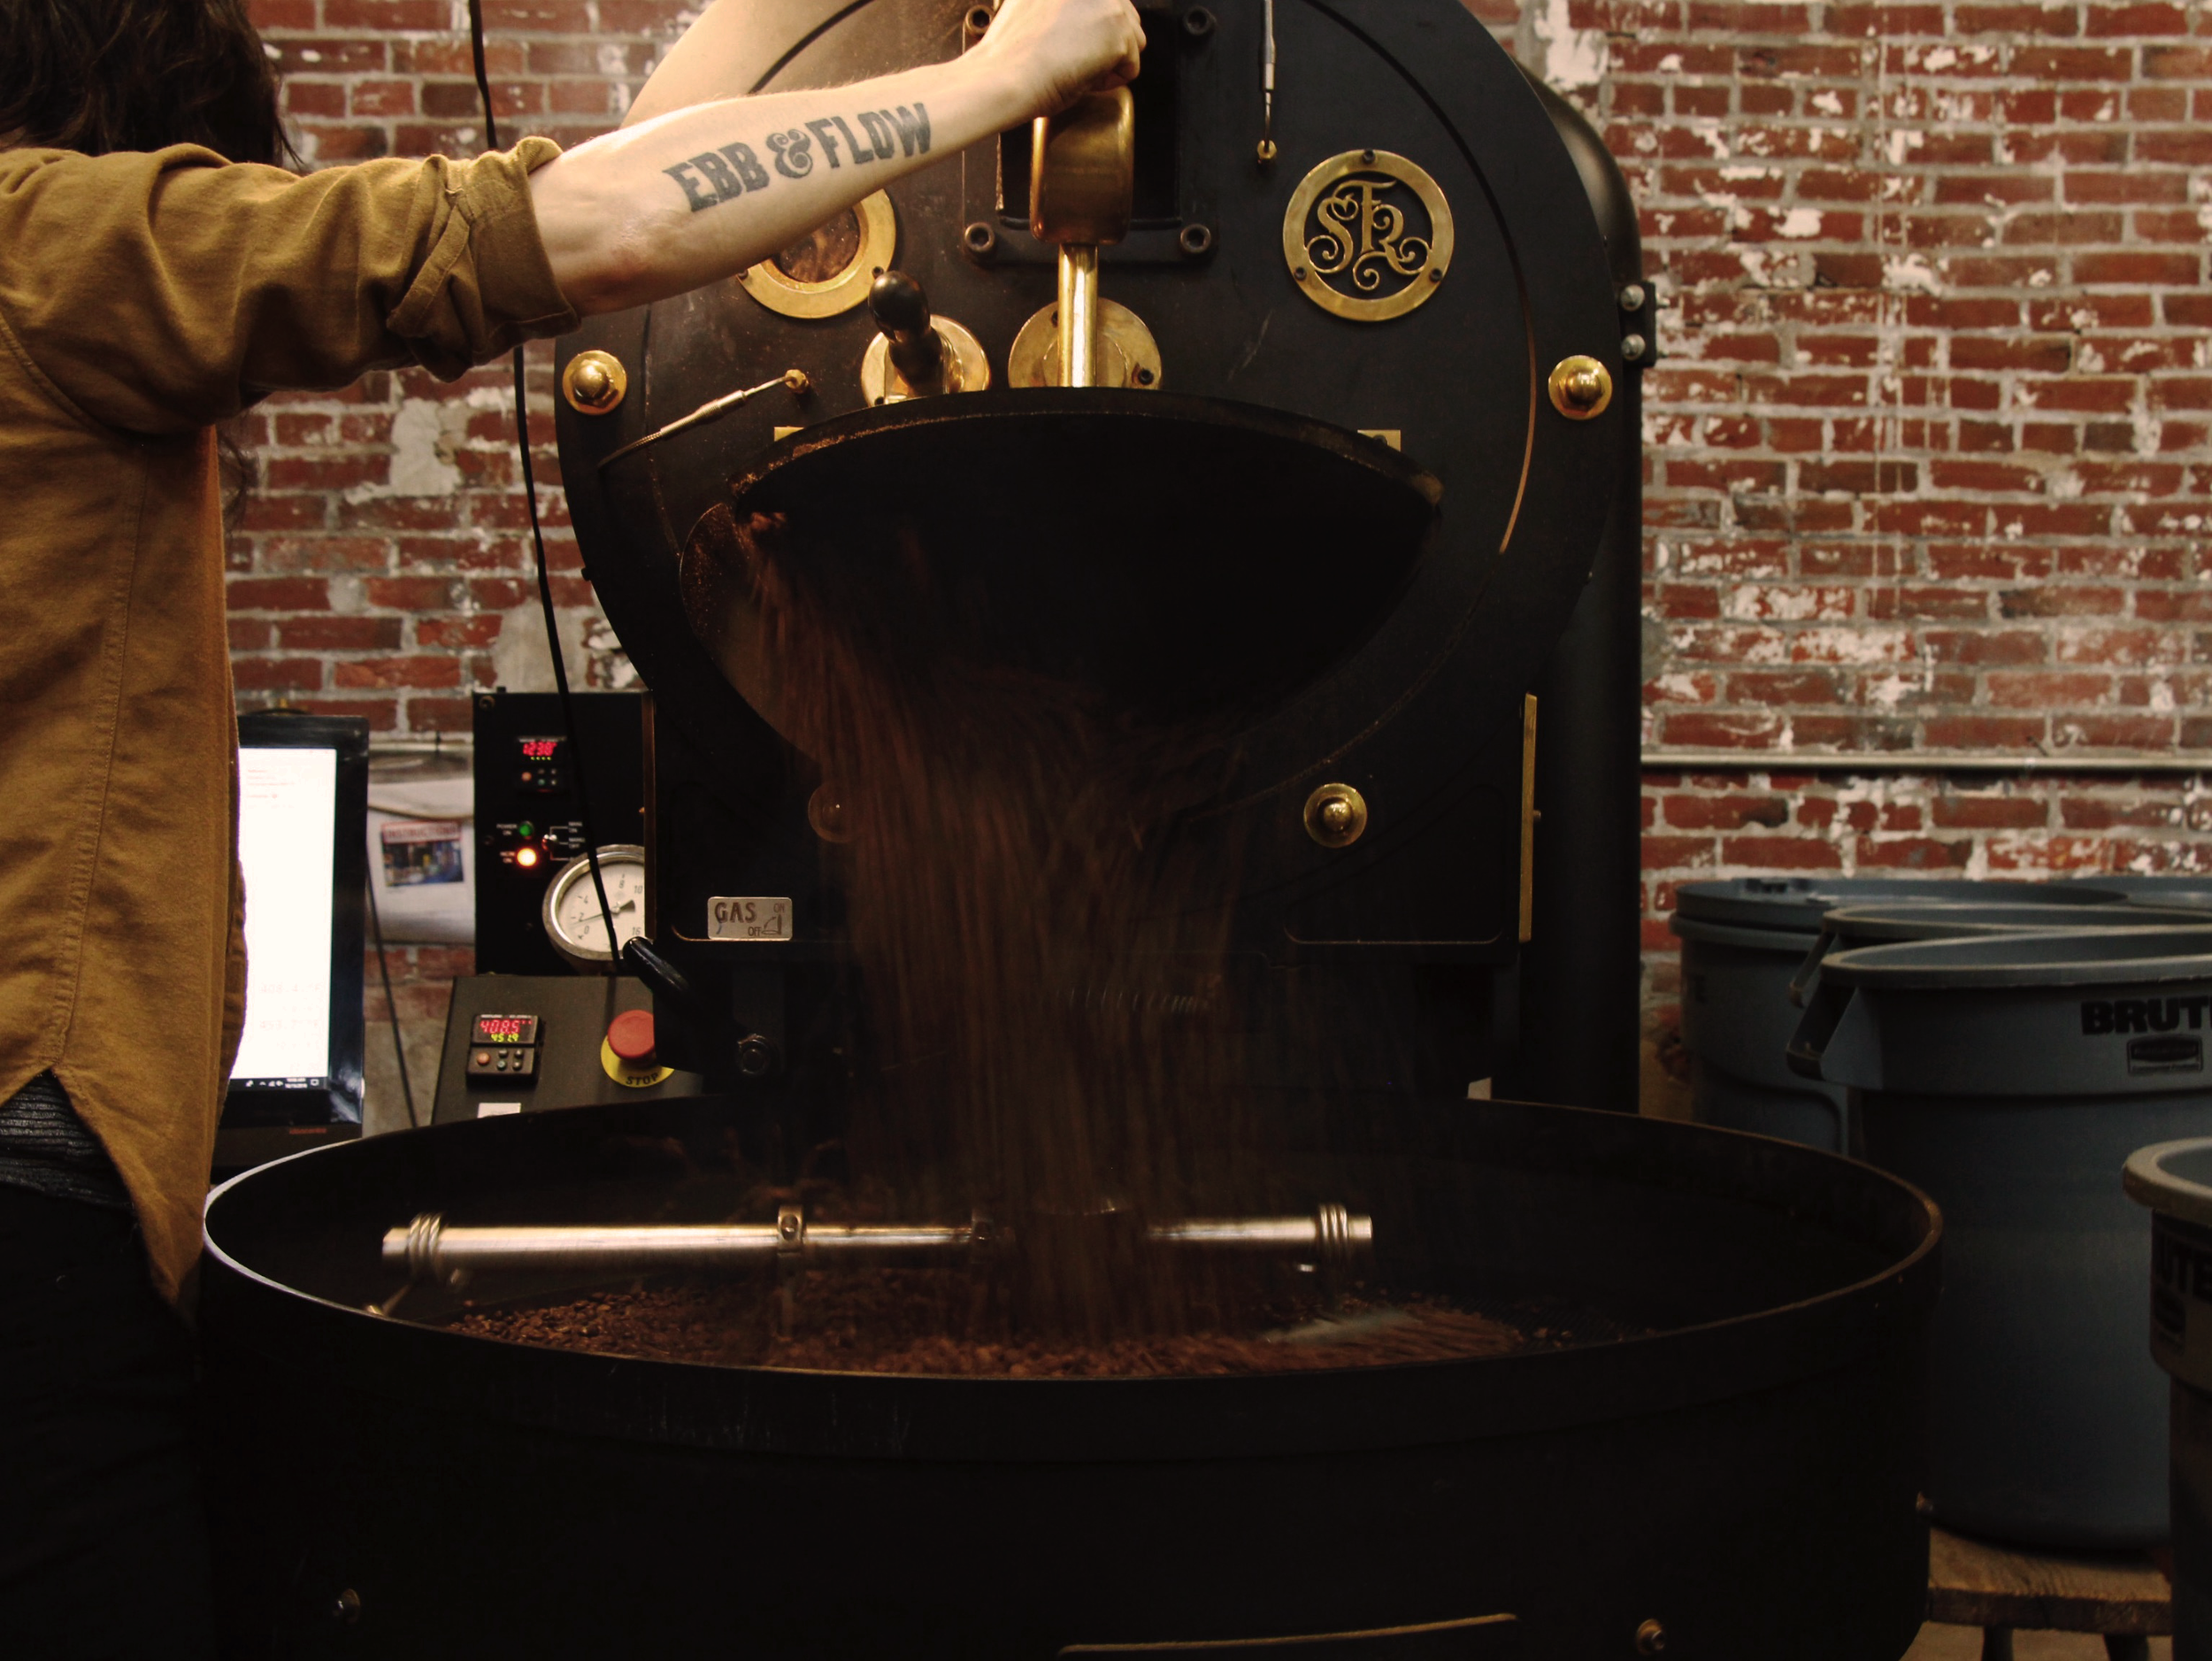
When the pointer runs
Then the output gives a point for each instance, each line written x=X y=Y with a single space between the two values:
x=714 y=177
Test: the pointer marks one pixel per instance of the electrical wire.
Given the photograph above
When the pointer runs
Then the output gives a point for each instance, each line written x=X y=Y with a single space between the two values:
x=537 y=542
x=391 y=1007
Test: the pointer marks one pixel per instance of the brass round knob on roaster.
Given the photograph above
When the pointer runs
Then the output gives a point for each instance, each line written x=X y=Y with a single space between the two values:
x=1335 y=815
x=595 y=383
x=1580 y=387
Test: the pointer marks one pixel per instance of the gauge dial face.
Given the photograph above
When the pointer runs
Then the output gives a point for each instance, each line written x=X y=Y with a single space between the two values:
x=571 y=913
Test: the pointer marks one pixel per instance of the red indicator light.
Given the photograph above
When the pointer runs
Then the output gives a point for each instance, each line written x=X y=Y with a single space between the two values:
x=526 y=858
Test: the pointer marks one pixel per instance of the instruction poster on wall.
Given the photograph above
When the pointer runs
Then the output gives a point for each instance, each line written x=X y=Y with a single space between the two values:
x=420 y=851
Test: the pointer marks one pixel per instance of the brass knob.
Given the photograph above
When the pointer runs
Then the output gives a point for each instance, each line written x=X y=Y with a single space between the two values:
x=1580 y=387
x=595 y=383
x=1335 y=815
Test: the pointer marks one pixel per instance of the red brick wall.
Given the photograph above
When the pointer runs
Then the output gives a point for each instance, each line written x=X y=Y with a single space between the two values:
x=1927 y=453
x=382 y=566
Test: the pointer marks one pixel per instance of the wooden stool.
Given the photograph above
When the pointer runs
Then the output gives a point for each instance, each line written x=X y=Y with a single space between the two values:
x=2122 y=1596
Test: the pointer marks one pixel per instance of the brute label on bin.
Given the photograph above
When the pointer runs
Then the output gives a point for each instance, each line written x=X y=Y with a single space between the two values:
x=2141 y=1015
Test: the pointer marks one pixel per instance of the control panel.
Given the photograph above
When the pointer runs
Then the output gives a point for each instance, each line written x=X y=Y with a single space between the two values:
x=522 y=1043
x=503 y=1049
x=529 y=822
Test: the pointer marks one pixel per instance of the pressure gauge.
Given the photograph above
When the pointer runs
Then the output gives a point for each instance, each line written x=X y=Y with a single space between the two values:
x=573 y=921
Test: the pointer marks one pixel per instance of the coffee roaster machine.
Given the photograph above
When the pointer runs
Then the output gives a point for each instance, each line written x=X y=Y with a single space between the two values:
x=1358 y=457
x=1297 y=392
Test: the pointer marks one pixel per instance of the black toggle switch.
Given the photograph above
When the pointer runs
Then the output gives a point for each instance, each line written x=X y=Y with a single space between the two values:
x=901 y=312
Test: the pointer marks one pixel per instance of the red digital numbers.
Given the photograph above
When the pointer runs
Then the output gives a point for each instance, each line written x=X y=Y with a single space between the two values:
x=539 y=749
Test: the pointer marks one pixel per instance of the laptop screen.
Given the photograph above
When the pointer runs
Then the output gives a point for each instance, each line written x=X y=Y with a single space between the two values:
x=287 y=803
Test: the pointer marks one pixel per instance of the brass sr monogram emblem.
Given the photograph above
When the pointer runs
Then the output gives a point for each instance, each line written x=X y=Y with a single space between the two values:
x=1368 y=235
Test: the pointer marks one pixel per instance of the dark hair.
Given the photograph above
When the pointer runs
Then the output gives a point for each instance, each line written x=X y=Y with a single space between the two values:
x=99 y=75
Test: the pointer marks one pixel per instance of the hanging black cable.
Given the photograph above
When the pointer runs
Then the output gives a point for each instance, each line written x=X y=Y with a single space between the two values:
x=391 y=1007
x=537 y=542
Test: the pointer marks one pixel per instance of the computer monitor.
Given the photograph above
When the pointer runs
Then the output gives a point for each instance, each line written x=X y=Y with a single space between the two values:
x=303 y=828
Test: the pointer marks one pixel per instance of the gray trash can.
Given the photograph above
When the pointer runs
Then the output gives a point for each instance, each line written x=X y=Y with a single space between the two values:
x=2011 y=1076
x=1742 y=939
x=2175 y=1179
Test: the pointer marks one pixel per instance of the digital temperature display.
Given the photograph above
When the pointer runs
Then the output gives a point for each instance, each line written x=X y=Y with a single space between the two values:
x=542 y=763
x=505 y=1029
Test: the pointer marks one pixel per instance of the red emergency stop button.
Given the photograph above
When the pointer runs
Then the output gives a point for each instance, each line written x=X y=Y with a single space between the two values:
x=630 y=1036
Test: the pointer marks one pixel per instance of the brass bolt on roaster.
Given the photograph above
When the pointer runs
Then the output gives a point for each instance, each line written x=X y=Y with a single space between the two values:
x=1336 y=815
x=1580 y=387
x=593 y=383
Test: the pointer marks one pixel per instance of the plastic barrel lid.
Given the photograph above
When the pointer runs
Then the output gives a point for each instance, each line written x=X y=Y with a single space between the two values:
x=2087 y=957
x=2189 y=889
x=1795 y=941
x=1865 y=924
x=1801 y=902
x=2173 y=1177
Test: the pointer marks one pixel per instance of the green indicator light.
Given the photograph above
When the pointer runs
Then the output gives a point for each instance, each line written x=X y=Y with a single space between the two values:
x=526 y=830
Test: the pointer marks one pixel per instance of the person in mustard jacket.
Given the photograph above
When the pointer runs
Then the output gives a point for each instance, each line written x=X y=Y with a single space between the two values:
x=159 y=272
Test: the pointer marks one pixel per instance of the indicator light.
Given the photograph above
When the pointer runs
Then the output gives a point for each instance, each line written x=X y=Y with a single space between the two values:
x=526 y=830
x=526 y=858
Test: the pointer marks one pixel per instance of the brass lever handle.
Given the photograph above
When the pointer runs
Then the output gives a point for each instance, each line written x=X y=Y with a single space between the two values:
x=1082 y=185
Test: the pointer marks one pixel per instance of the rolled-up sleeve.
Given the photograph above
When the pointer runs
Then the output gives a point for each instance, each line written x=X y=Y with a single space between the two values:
x=166 y=290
